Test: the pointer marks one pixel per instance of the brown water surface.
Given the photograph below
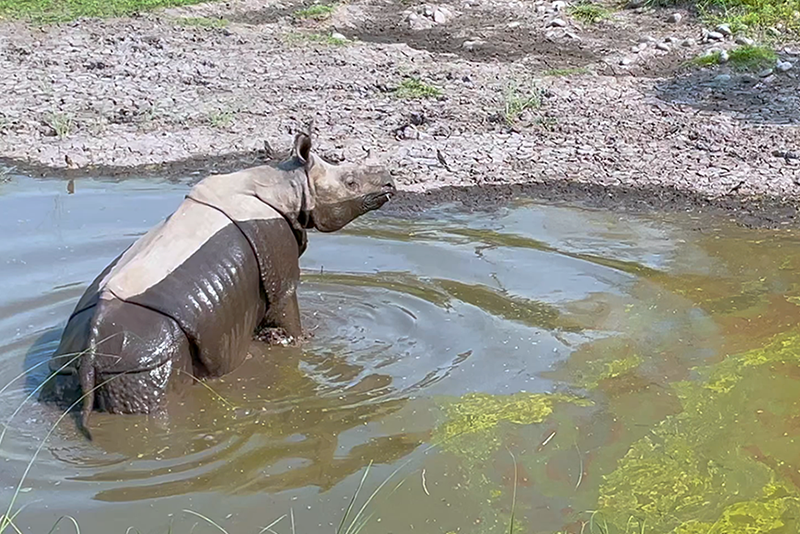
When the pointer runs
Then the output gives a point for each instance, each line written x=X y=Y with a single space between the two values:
x=603 y=372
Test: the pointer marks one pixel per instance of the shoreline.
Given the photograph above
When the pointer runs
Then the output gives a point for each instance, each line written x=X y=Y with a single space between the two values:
x=460 y=104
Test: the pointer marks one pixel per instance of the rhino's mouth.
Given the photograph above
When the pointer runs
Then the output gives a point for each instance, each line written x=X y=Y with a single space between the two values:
x=373 y=201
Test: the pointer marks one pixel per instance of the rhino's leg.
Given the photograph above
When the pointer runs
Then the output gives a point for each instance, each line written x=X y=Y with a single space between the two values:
x=145 y=391
x=288 y=317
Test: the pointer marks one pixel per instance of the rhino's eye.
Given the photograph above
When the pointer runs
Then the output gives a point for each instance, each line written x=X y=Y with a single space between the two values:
x=350 y=182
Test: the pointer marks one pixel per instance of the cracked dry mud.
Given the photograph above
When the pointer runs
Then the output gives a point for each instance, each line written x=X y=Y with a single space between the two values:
x=621 y=121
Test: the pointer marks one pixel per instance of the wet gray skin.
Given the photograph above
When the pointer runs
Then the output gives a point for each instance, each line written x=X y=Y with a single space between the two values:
x=183 y=302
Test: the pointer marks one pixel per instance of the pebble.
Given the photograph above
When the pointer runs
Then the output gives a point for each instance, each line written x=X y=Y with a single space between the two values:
x=647 y=39
x=725 y=30
x=625 y=61
x=764 y=73
x=573 y=36
x=715 y=36
x=744 y=41
x=675 y=18
x=723 y=79
x=558 y=23
x=440 y=16
x=515 y=24
x=338 y=36
x=662 y=46
x=687 y=42
x=472 y=45
x=723 y=56
x=783 y=66
x=559 y=5
x=639 y=48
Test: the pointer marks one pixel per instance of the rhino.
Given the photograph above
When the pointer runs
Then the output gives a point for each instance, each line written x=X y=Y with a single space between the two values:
x=187 y=297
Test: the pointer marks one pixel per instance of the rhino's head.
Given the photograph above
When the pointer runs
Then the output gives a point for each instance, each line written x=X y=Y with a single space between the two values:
x=340 y=193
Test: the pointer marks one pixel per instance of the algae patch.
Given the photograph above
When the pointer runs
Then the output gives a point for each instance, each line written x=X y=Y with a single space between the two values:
x=717 y=467
x=471 y=420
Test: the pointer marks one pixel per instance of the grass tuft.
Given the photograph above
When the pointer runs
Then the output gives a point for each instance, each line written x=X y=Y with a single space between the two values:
x=61 y=123
x=742 y=58
x=747 y=16
x=221 y=119
x=414 y=88
x=316 y=12
x=55 y=11
x=202 y=22
x=752 y=57
x=518 y=101
x=589 y=12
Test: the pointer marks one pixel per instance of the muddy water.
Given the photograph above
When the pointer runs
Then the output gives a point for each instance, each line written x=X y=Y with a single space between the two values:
x=589 y=371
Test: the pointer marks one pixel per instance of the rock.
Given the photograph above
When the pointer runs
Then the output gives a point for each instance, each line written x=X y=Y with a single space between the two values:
x=662 y=46
x=338 y=36
x=409 y=132
x=744 y=41
x=764 y=73
x=647 y=39
x=669 y=39
x=625 y=61
x=723 y=56
x=557 y=23
x=714 y=36
x=639 y=48
x=687 y=42
x=675 y=18
x=722 y=79
x=573 y=36
x=440 y=16
x=541 y=9
x=515 y=24
x=724 y=29
x=559 y=5
x=471 y=46
x=783 y=66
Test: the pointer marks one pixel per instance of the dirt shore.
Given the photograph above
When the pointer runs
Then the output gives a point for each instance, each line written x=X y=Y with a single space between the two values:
x=615 y=116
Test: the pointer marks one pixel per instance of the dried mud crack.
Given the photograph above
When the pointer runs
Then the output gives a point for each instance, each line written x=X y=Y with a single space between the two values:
x=514 y=98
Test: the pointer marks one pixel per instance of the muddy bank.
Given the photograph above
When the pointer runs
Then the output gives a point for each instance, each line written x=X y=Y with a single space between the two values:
x=606 y=113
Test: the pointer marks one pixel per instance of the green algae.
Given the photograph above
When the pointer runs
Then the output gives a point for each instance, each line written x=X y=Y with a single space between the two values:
x=714 y=467
x=471 y=420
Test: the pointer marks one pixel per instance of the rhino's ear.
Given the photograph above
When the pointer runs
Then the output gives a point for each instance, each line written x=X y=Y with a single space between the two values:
x=302 y=148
